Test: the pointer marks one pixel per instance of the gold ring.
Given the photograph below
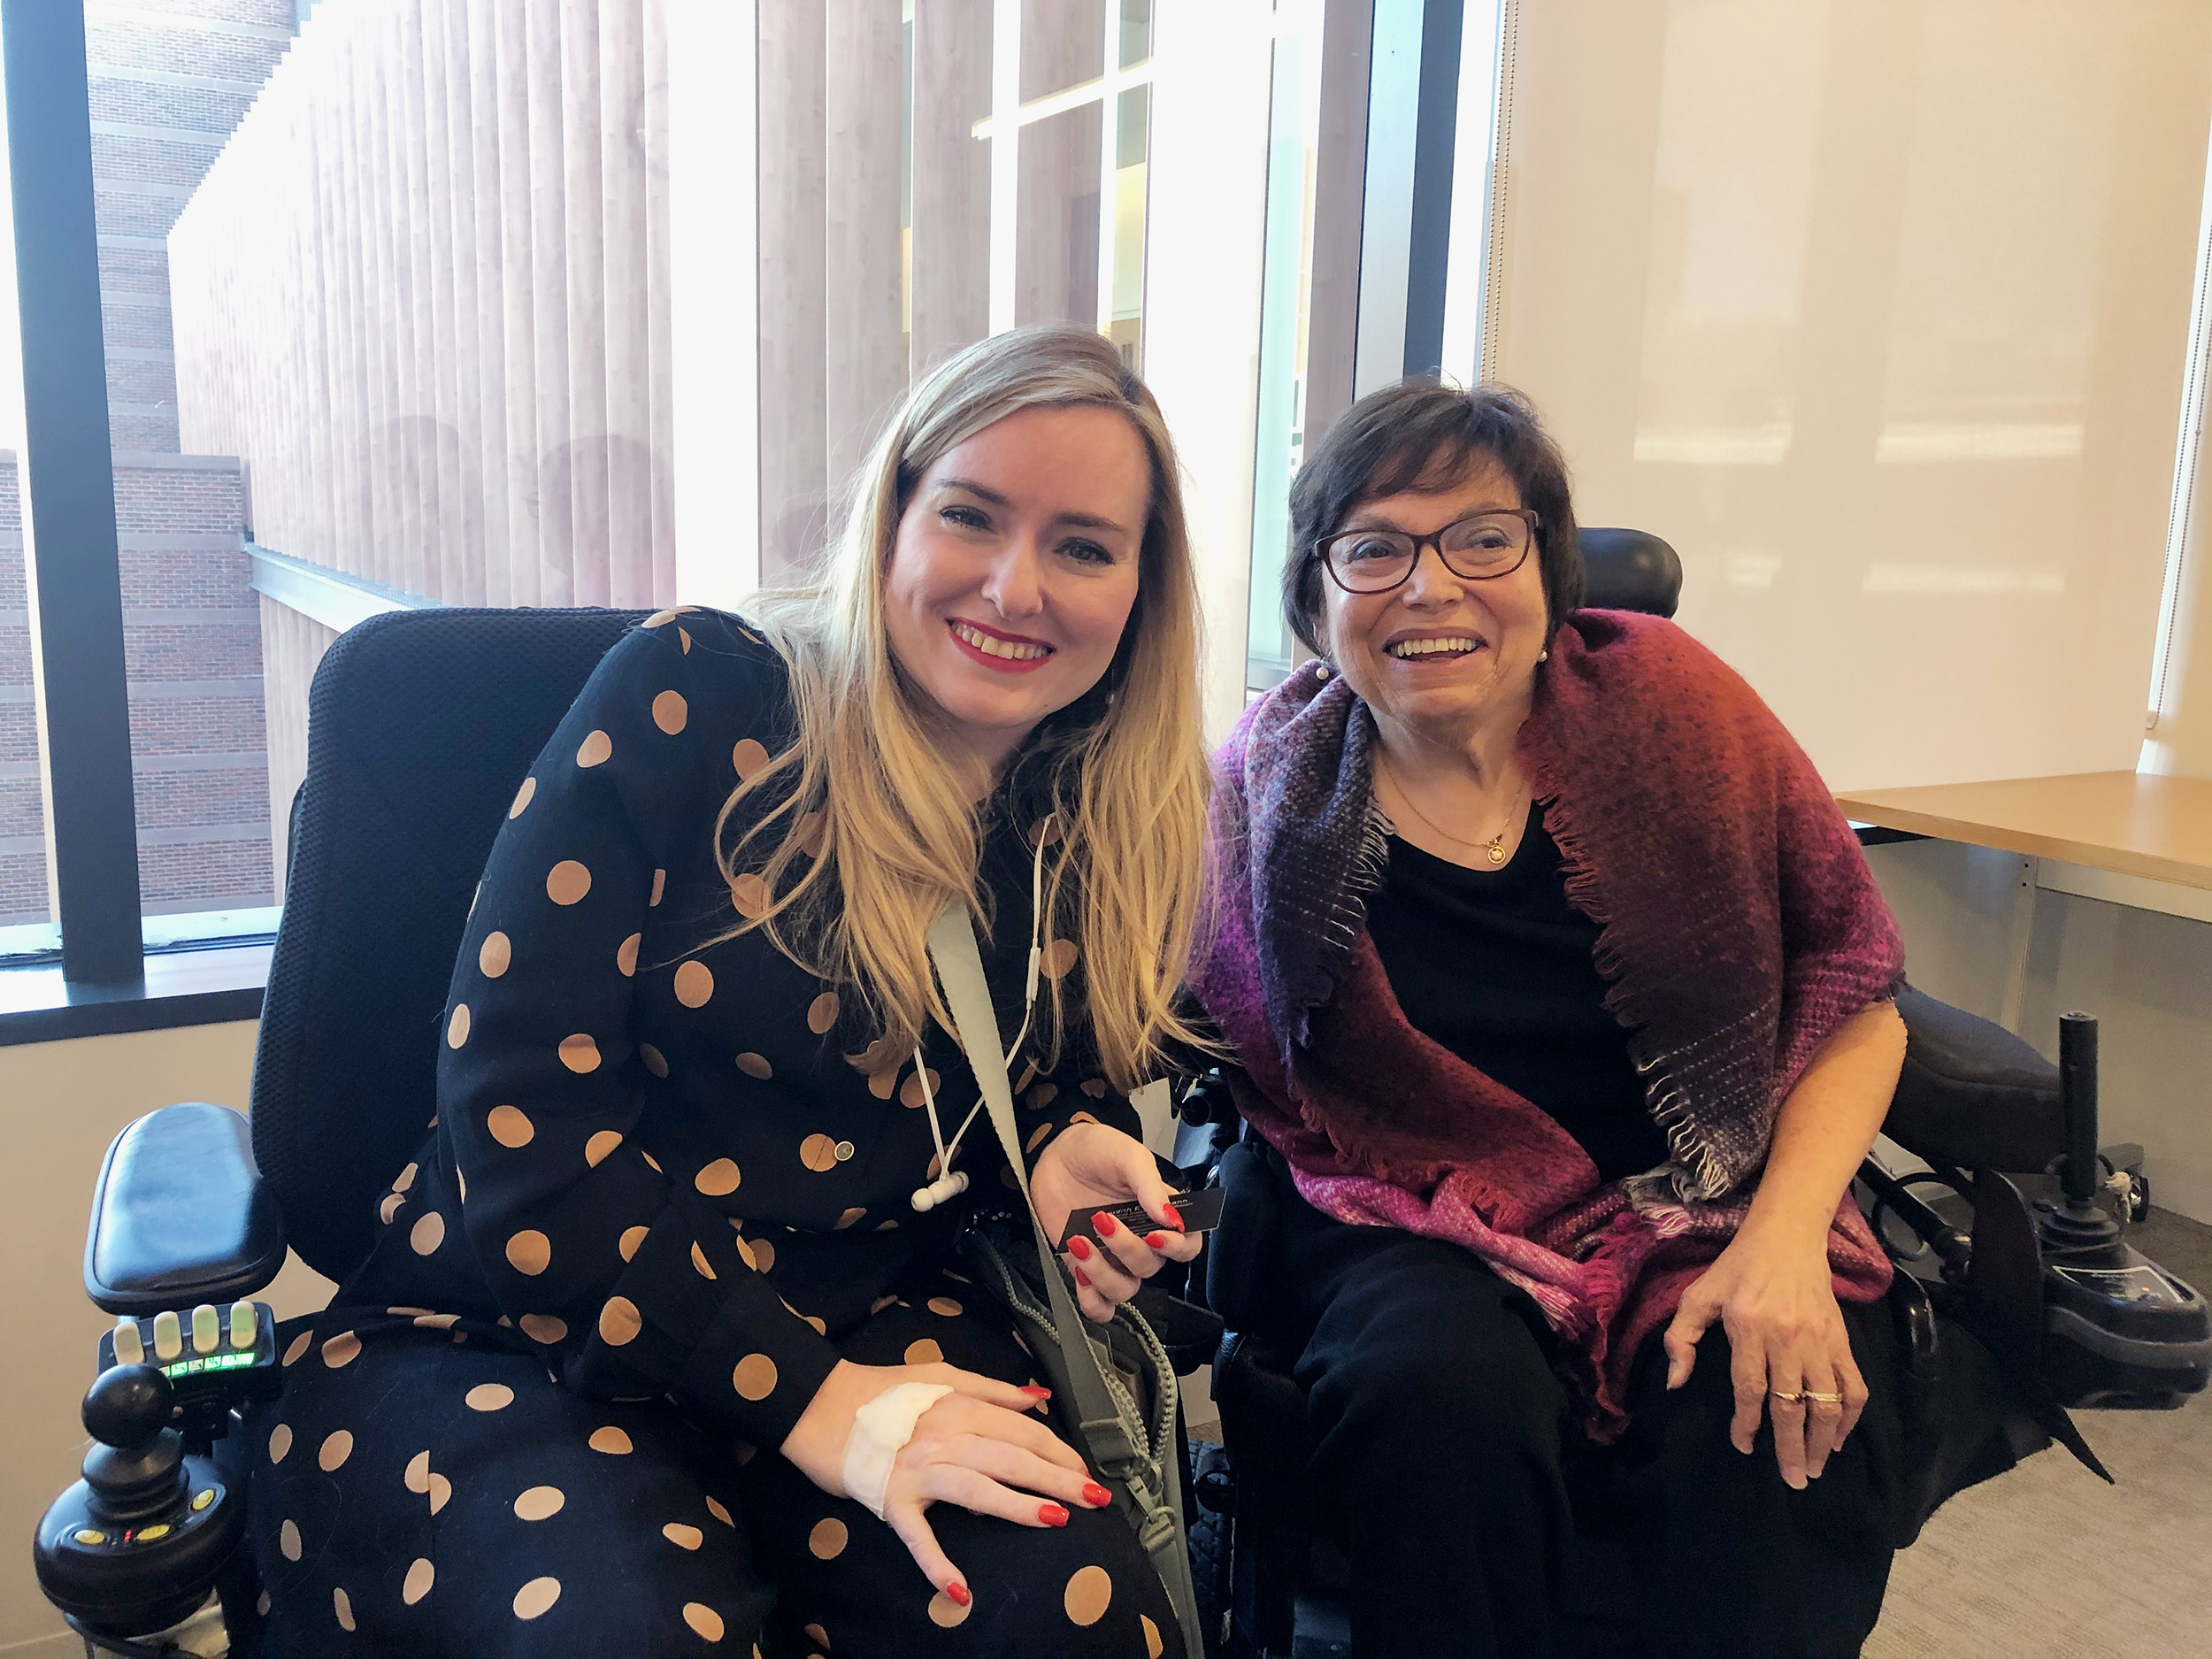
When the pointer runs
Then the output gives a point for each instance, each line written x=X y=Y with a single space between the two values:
x=1824 y=1400
x=1791 y=1396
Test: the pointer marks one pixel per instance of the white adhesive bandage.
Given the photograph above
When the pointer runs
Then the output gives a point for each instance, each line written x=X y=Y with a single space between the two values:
x=880 y=1430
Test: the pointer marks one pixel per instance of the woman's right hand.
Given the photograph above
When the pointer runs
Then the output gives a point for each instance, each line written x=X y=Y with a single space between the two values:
x=980 y=1447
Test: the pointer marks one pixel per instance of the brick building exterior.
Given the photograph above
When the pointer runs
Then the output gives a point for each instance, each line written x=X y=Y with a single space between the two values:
x=169 y=82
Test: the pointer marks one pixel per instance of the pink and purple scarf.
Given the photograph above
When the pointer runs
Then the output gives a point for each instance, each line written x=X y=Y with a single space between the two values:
x=1738 y=929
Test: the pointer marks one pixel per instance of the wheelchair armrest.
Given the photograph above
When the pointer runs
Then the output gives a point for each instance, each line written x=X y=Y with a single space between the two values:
x=1971 y=1094
x=179 y=1215
x=1241 y=1253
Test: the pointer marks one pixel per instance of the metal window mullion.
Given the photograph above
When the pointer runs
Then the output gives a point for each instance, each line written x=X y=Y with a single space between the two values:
x=72 y=573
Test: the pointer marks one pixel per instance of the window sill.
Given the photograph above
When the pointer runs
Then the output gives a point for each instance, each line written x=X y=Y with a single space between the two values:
x=181 y=987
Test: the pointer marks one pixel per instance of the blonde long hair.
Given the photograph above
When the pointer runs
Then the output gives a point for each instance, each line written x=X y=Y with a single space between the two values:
x=871 y=833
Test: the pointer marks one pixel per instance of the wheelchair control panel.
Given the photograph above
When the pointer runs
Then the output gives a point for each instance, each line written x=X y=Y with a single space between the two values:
x=152 y=1530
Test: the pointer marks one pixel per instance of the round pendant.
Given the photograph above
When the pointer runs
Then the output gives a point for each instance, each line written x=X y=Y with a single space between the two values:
x=1497 y=853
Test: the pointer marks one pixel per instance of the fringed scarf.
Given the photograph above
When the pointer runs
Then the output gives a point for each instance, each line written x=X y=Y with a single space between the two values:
x=1738 y=929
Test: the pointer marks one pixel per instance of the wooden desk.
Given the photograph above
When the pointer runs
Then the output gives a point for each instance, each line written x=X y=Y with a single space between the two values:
x=2124 y=837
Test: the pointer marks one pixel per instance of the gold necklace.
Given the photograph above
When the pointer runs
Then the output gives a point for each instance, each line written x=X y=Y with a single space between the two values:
x=1495 y=847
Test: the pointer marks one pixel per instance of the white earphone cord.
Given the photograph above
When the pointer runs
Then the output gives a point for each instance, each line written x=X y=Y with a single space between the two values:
x=950 y=1183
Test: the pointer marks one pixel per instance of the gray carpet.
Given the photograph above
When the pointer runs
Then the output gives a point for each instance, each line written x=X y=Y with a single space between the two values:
x=2048 y=1561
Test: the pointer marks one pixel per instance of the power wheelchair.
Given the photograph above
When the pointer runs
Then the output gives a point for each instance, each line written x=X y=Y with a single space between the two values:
x=420 y=723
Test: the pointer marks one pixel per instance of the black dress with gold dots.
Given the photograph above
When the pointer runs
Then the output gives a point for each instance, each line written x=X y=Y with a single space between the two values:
x=667 y=1189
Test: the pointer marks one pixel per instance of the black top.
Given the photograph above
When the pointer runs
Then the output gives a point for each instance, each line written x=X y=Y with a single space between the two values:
x=629 y=1101
x=1495 y=966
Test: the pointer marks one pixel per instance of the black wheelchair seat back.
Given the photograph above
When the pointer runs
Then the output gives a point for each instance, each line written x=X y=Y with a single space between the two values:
x=421 y=726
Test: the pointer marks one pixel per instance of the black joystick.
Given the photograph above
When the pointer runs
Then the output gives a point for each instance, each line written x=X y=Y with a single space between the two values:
x=2079 y=1224
x=136 y=1546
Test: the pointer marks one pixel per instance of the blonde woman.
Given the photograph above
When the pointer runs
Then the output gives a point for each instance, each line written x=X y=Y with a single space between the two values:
x=684 y=1220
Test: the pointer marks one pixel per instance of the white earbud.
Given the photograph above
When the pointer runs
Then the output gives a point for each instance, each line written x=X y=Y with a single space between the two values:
x=943 y=1190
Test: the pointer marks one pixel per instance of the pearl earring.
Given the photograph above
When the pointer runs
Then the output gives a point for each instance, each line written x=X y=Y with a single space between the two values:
x=1321 y=672
x=1543 y=656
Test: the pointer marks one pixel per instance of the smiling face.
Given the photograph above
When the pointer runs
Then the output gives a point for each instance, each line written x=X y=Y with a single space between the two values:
x=1015 y=569
x=1441 y=656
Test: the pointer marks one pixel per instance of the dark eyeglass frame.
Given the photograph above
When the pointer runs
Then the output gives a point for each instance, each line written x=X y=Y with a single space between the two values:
x=1436 y=542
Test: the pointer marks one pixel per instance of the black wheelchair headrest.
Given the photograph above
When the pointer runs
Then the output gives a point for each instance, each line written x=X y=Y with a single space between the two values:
x=1629 y=570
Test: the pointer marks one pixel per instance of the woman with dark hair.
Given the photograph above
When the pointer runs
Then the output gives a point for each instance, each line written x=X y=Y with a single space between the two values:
x=1562 y=1002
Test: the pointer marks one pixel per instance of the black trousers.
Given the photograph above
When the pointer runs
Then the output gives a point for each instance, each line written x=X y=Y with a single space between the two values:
x=1478 y=1521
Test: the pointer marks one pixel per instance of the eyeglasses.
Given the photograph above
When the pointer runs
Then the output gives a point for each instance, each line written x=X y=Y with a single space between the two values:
x=1480 y=549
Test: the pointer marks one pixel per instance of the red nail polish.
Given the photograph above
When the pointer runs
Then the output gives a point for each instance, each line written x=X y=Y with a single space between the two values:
x=1104 y=1223
x=1052 y=1514
x=1080 y=1248
x=1157 y=1241
x=1096 y=1495
x=958 y=1593
x=1038 y=1394
x=1082 y=1279
x=1173 y=1219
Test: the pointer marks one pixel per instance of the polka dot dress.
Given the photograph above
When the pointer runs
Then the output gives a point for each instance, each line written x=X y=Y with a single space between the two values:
x=666 y=1190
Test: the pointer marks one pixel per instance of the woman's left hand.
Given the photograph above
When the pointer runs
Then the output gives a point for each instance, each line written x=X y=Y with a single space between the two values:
x=1788 y=1339
x=1087 y=1169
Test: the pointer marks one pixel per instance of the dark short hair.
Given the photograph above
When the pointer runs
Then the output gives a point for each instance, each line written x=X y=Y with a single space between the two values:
x=1418 y=435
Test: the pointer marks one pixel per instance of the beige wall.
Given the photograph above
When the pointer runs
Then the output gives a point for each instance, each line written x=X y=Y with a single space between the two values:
x=67 y=1101
x=2146 y=977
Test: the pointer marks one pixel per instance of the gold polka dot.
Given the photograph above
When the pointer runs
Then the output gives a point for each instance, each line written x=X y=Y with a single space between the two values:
x=342 y=1605
x=340 y=1349
x=280 y=1442
x=660 y=887
x=488 y=1396
x=749 y=757
x=632 y=1237
x=764 y=1255
x=579 y=1053
x=754 y=1377
x=924 y=1352
x=821 y=1013
x=405 y=1178
x=744 y=1452
x=685 y=635
x=1057 y=958
x=567 y=882
x=881 y=1302
x=599 y=1146
x=821 y=1326
x=441 y=1491
x=1044 y=831
x=703 y=1619
x=1082 y=1117
x=750 y=895
x=437 y=1322
x=660 y=618
x=543 y=1327
x=699 y=1261
x=456 y=1029
x=612 y=1441
x=1037 y=1137
x=1153 y=1645
x=1087 y=1595
x=1043 y=1095
x=816 y=1634
x=669 y=712
x=522 y=797
x=883 y=1084
x=530 y=1252
x=619 y=1321
x=945 y=1612
x=595 y=749
x=417 y=1476
x=694 y=984
x=539 y=1503
x=755 y=1065
x=511 y=1125
x=495 y=955
x=336 y=1448
x=812 y=828
x=418 y=1582
x=945 y=1305
x=655 y=1060
x=390 y=1208
x=912 y=1094
x=1028 y=1072
x=1095 y=1087
x=720 y=1513
x=826 y=1541
x=289 y=1540
x=536 y=1597
x=426 y=1234
x=718 y=1179
x=683 y=1537
x=819 y=1153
